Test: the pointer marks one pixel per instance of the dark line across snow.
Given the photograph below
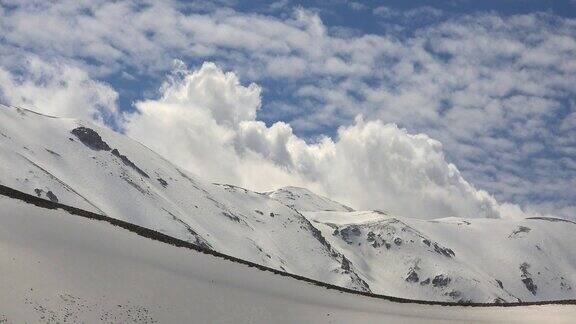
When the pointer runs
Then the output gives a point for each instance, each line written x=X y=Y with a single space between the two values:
x=154 y=235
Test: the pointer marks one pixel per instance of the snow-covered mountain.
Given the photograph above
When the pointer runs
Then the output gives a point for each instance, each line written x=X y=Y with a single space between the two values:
x=61 y=268
x=291 y=229
x=488 y=260
x=305 y=200
x=93 y=168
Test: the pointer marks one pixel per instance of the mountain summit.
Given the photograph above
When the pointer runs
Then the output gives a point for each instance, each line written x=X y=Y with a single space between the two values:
x=305 y=200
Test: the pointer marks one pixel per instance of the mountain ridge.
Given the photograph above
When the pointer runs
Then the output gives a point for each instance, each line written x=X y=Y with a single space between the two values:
x=158 y=236
x=290 y=229
x=95 y=169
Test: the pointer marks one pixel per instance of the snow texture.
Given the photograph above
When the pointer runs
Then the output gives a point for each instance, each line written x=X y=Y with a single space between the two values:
x=58 y=267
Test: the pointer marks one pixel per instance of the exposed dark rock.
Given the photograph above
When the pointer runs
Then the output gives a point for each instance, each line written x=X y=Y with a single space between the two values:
x=52 y=152
x=375 y=240
x=346 y=264
x=564 y=285
x=348 y=232
x=272 y=215
x=318 y=236
x=90 y=138
x=500 y=284
x=51 y=196
x=259 y=212
x=347 y=267
x=524 y=268
x=412 y=276
x=517 y=232
x=231 y=216
x=442 y=250
x=134 y=185
x=371 y=236
x=398 y=241
x=526 y=278
x=378 y=242
x=163 y=182
x=426 y=241
x=425 y=282
x=498 y=300
x=129 y=163
x=454 y=294
x=441 y=281
x=530 y=285
x=38 y=192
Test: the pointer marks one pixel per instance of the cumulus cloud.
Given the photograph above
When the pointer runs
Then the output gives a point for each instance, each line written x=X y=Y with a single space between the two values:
x=209 y=119
x=58 y=89
x=217 y=93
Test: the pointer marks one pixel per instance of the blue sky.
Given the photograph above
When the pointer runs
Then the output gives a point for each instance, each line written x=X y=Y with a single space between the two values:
x=493 y=81
x=361 y=17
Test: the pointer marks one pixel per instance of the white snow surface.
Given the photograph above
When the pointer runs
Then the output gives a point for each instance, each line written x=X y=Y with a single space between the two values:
x=290 y=229
x=59 y=267
x=304 y=200
x=483 y=260
x=39 y=154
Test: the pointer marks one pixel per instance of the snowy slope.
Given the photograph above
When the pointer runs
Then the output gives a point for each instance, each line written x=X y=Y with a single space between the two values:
x=59 y=267
x=461 y=260
x=93 y=168
x=96 y=169
x=482 y=260
x=304 y=200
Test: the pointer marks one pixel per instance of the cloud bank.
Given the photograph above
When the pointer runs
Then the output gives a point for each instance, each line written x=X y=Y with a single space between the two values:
x=495 y=89
x=209 y=119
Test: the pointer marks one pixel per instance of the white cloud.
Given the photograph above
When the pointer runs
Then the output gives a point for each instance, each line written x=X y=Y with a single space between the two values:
x=218 y=94
x=58 y=89
x=370 y=164
x=354 y=5
x=483 y=84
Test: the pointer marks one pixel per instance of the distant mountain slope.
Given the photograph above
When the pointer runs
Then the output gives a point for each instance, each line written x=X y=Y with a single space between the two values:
x=457 y=259
x=303 y=200
x=94 y=168
x=60 y=268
